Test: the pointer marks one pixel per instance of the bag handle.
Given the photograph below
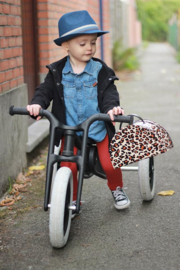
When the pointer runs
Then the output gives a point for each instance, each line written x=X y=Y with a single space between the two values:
x=135 y=115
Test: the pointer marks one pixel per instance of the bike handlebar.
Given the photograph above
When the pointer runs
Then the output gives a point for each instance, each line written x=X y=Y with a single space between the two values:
x=100 y=116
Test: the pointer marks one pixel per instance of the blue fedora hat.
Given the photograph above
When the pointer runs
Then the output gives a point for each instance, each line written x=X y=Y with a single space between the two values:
x=77 y=23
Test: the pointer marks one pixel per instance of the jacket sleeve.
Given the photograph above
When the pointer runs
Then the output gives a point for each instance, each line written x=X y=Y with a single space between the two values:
x=110 y=97
x=108 y=94
x=44 y=92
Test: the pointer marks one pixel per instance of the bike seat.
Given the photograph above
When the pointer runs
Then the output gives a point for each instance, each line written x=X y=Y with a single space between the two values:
x=89 y=140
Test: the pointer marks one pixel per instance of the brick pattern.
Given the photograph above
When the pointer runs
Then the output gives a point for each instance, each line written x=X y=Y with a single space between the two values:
x=49 y=12
x=107 y=37
x=11 y=65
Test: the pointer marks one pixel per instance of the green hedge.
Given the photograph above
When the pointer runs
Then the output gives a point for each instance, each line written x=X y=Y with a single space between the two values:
x=154 y=16
x=124 y=59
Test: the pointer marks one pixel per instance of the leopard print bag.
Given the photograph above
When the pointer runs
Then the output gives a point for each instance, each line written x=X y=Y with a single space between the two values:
x=135 y=142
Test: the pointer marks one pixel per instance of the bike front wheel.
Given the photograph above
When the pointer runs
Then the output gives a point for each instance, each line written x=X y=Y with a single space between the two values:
x=60 y=214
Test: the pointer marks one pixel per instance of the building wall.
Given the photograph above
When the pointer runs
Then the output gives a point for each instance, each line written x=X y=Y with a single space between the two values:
x=107 y=37
x=124 y=23
x=13 y=136
x=11 y=66
x=12 y=91
x=119 y=22
x=134 y=32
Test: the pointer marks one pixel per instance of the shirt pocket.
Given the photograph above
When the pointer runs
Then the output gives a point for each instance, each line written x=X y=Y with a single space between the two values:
x=90 y=89
x=69 y=89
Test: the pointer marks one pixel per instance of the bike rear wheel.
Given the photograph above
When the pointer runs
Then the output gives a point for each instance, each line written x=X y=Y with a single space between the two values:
x=147 y=178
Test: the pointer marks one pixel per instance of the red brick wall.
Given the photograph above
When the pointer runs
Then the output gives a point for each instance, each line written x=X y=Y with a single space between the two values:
x=107 y=37
x=48 y=16
x=11 y=65
x=48 y=13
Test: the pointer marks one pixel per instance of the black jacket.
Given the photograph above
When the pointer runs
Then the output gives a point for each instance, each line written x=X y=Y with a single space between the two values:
x=52 y=89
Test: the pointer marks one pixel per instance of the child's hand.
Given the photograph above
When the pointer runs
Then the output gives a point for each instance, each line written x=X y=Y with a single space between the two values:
x=34 y=110
x=115 y=111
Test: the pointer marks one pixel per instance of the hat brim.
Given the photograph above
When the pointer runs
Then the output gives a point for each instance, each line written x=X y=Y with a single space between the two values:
x=60 y=40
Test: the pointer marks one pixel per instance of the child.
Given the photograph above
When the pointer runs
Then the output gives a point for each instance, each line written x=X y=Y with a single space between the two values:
x=81 y=86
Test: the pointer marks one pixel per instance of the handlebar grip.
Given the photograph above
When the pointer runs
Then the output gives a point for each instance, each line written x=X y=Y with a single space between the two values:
x=117 y=118
x=13 y=110
x=122 y=118
x=22 y=111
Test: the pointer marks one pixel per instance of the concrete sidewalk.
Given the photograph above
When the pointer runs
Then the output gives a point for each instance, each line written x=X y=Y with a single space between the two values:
x=145 y=236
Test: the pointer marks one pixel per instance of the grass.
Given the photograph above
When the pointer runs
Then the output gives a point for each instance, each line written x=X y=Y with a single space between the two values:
x=178 y=56
x=124 y=59
x=145 y=44
x=10 y=184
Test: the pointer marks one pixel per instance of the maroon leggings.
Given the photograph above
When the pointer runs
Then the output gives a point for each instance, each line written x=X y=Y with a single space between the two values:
x=114 y=176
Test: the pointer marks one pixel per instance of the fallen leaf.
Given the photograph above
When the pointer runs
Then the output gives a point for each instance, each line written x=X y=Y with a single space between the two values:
x=36 y=172
x=19 y=187
x=20 y=179
x=7 y=202
x=29 y=173
x=14 y=192
x=23 y=190
x=37 y=168
x=8 y=199
x=18 y=198
x=28 y=180
x=166 y=193
x=85 y=245
x=36 y=206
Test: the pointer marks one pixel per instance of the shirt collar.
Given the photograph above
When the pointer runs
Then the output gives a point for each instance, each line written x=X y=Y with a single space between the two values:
x=89 y=67
x=68 y=68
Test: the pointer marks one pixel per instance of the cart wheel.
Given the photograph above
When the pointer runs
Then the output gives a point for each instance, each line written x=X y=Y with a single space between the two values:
x=60 y=215
x=147 y=178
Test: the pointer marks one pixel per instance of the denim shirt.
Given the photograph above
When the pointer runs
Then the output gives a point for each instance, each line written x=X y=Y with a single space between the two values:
x=80 y=96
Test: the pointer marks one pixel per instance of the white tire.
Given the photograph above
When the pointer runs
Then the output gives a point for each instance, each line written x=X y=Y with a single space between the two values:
x=60 y=215
x=147 y=178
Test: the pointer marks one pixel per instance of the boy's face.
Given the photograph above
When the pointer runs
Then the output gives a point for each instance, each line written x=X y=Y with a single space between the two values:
x=82 y=48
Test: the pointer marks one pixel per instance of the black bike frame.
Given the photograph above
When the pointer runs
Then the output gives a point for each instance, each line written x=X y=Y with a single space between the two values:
x=67 y=154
